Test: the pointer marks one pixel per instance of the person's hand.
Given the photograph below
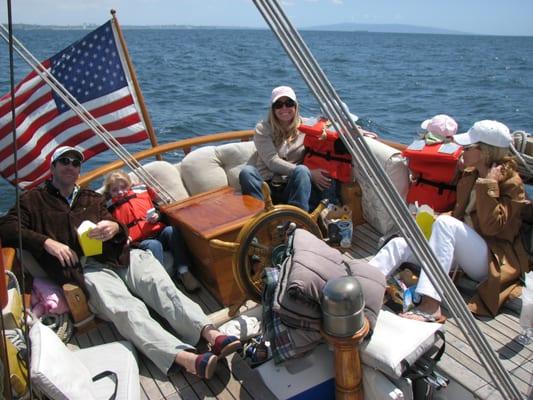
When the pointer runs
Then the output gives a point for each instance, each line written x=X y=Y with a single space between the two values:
x=153 y=218
x=320 y=178
x=104 y=230
x=495 y=173
x=66 y=256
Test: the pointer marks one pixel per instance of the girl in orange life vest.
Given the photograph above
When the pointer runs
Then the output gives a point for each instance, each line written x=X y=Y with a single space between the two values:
x=133 y=205
x=433 y=164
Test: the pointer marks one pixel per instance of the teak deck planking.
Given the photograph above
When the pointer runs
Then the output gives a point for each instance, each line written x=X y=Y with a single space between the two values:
x=234 y=379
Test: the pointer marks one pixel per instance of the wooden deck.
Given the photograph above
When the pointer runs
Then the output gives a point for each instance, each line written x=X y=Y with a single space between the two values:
x=235 y=380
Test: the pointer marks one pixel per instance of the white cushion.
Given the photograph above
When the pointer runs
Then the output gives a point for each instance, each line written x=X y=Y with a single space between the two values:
x=398 y=342
x=211 y=167
x=374 y=211
x=119 y=358
x=232 y=157
x=201 y=171
x=55 y=370
x=168 y=175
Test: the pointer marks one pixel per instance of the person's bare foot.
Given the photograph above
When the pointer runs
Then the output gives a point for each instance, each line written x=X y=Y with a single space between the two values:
x=427 y=311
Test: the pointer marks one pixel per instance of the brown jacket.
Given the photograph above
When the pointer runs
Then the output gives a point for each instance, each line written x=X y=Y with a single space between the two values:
x=497 y=218
x=46 y=214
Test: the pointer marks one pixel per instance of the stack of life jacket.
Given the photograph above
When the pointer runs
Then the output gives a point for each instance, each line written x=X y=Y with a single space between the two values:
x=131 y=210
x=434 y=168
x=325 y=150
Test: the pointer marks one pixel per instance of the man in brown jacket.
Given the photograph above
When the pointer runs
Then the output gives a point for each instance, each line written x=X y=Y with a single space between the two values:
x=49 y=218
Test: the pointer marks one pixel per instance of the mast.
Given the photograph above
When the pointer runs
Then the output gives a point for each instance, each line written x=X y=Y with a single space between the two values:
x=136 y=86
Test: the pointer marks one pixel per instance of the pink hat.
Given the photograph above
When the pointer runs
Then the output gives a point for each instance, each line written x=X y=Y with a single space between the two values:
x=441 y=124
x=282 y=91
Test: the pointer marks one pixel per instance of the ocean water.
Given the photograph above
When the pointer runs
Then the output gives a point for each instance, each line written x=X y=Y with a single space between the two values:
x=201 y=81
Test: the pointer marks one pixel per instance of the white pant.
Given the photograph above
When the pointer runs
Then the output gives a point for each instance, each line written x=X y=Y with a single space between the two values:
x=453 y=242
x=112 y=297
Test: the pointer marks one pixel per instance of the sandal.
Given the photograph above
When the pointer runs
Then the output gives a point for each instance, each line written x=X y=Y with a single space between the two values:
x=423 y=316
x=225 y=345
x=206 y=365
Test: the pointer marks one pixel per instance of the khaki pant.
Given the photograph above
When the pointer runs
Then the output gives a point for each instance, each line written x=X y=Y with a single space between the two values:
x=112 y=291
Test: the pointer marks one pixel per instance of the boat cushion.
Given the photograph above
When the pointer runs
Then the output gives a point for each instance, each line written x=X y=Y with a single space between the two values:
x=120 y=359
x=54 y=369
x=397 y=343
x=63 y=374
x=212 y=167
x=168 y=175
x=232 y=157
x=374 y=211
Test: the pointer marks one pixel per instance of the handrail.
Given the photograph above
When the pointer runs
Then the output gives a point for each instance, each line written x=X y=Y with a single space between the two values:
x=185 y=144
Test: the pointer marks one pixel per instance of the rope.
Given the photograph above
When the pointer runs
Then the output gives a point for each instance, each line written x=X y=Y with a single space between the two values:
x=93 y=123
x=329 y=101
x=61 y=324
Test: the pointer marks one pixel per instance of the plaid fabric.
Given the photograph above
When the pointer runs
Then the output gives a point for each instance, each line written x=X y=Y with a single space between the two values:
x=286 y=342
x=274 y=330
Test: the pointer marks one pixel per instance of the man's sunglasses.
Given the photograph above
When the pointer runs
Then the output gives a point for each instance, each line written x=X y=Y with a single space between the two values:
x=289 y=103
x=67 y=161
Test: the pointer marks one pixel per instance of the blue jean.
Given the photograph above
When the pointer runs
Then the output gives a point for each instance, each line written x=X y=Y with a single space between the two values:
x=169 y=238
x=299 y=190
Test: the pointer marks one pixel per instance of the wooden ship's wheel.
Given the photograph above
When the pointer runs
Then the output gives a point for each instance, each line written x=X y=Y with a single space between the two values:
x=261 y=242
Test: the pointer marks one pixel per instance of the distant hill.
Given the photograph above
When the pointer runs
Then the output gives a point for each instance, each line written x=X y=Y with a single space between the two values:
x=385 y=28
x=346 y=27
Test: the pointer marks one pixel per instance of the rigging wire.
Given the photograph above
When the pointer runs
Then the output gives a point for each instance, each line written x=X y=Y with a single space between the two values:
x=17 y=200
x=331 y=103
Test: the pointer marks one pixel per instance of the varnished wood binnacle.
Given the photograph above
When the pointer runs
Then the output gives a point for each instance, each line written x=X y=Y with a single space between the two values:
x=217 y=214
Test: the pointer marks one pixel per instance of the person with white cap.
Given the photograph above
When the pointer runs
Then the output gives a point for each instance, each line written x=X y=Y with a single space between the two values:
x=118 y=281
x=482 y=234
x=279 y=156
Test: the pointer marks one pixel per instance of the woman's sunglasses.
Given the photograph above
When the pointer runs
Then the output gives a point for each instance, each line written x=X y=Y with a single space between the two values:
x=67 y=161
x=287 y=103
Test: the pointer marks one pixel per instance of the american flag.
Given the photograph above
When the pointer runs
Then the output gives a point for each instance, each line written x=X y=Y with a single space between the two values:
x=94 y=71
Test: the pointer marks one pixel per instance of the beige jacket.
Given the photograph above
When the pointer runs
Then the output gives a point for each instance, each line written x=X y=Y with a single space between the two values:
x=271 y=160
x=497 y=218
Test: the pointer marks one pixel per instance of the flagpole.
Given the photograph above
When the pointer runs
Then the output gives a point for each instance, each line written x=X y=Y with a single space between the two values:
x=136 y=86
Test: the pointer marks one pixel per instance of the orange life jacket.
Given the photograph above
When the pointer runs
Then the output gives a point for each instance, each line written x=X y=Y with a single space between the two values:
x=131 y=209
x=434 y=173
x=321 y=153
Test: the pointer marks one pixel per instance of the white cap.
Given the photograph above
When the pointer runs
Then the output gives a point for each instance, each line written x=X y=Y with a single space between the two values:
x=282 y=91
x=66 y=149
x=487 y=131
x=441 y=124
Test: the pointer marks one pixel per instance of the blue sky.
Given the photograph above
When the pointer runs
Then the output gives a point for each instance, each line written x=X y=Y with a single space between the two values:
x=498 y=17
